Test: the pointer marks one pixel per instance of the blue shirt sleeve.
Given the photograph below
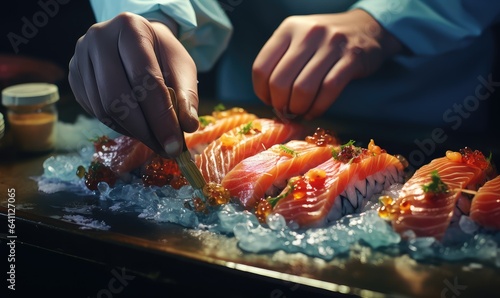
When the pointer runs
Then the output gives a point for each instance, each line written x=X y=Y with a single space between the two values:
x=204 y=29
x=430 y=27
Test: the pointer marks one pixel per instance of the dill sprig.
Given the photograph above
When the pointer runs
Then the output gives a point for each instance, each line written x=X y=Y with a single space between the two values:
x=205 y=121
x=274 y=200
x=287 y=150
x=219 y=107
x=246 y=129
x=436 y=186
x=347 y=152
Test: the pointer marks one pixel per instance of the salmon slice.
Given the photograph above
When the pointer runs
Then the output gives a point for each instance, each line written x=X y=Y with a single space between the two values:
x=212 y=127
x=125 y=154
x=336 y=188
x=485 y=207
x=220 y=156
x=267 y=172
x=428 y=214
x=122 y=154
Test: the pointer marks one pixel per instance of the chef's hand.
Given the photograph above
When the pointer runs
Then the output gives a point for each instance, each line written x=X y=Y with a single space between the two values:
x=309 y=60
x=120 y=72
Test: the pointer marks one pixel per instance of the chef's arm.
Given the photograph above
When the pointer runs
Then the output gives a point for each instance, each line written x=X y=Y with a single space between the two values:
x=200 y=25
x=430 y=27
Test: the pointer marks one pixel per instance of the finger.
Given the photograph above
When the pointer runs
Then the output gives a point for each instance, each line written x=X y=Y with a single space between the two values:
x=265 y=62
x=290 y=66
x=87 y=83
x=333 y=84
x=180 y=73
x=308 y=83
x=137 y=53
x=91 y=91
x=81 y=91
x=76 y=83
x=120 y=107
x=187 y=105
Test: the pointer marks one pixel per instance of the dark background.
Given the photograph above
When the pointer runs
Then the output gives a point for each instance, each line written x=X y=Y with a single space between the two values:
x=55 y=43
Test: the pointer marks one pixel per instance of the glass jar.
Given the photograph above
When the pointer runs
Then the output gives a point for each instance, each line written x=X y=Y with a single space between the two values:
x=2 y=126
x=32 y=115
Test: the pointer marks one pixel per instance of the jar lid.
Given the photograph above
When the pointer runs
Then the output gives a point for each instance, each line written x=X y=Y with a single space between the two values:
x=2 y=126
x=30 y=94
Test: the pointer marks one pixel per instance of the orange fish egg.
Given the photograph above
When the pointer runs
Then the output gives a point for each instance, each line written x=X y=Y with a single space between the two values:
x=228 y=141
x=374 y=148
x=386 y=200
x=405 y=206
x=383 y=212
x=322 y=137
x=316 y=177
x=262 y=210
x=299 y=188
x=256 y=127
x=454 y=156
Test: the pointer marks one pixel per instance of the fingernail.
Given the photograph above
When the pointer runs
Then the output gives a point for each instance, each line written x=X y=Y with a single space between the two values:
x=172 y=146
x=194 y=112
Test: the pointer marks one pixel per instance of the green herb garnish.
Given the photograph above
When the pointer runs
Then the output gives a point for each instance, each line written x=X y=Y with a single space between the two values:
x=273 y=201
x=246 y=129
x=347 y=152
x=204 y=121
x=436 y=186
x=219 y=107
x=288 y=150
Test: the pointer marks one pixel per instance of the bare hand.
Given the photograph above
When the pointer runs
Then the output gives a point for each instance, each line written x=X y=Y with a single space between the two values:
x=309 y=60
x=120 y=72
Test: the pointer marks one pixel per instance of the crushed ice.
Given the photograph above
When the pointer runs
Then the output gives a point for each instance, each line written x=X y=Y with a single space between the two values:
x=164 y=204
x=85 y=222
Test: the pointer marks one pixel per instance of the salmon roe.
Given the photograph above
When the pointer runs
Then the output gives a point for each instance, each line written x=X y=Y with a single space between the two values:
x=390 y=209
x=322 y=137
x=263 y=209
x=215 y=195
x=375 y=149
x=454 y=156
x=163 y=171
x=316 y=177
x=312 y=180
x=299 y=187
x=474 y=157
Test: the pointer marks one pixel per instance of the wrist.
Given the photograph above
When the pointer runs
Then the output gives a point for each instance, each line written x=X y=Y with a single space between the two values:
x=159 y=20
x=388 y=42
x=163 y=27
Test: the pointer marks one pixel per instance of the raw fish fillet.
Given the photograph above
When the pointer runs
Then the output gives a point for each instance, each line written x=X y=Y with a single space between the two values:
x=221 y=122
x=128 y=154
x=267 y=172
x=246 y=140
x=347 y=185
x=427 y=214
x=485 y=208
x=122 y=154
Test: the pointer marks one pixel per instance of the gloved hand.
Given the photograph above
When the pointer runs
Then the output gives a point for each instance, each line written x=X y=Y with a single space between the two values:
x=309 y=60
x=120 y=72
